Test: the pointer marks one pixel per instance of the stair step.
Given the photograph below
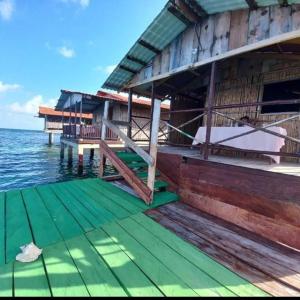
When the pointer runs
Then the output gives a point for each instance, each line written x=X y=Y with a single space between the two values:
x=164 y=197
x=159 y=184
x=129 y=157
x=137 y=165
x=144 y=175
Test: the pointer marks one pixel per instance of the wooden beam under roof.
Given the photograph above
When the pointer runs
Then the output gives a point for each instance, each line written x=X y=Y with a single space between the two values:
x=127 y=69
x=178 y=13
x=197 y=8
x=283 y=2
x=186 y=11
x=136 y=60
x=252 y=4
x=148 y=46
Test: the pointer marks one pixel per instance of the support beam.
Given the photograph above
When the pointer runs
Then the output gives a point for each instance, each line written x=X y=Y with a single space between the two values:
x=51 y=138
x=129 y=114
x=70 y=154
x=210 y=103
x=105 y=116
x=152 y=106
x=153 y=145
x=179 y=15
x=127 y=69
x=62 y=151
x=197 y=8
x=136 y=60
x=92 y=154
x=252 y=4
x=80 y=159
x=149 y=46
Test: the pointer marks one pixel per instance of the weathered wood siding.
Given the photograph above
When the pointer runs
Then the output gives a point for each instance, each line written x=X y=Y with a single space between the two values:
x=263 y=202
x=220 y=33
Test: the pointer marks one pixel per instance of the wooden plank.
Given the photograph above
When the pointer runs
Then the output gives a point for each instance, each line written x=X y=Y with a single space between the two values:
x=238 y=28
x=187 y=46
x=18 y=232
x=105 y=116
x=168 y=282
x=264 y=226
x=228 y=279
x=109 y=205
x=256 y=277
x=295 y=16
x=280 y=20
x=122 y=200
x=142 y=153
x=98 y=278
x=259 y=25
x=43 y=228
x=138 y=185
x=206 y=38
x=2 y=229
x=137 y=284
x=64 y=279
x=6 y=279
x=30 y=280
x=221 y=33
x=99 y=214
x=64 y=220
x=73 y=207
x=238 y=246
x=195 y=278
x=153 y=146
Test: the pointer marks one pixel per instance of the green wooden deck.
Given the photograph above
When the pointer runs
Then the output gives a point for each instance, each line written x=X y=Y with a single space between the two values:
x=97 y=242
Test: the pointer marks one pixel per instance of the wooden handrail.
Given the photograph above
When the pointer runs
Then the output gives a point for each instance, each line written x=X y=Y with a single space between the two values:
x=142 y=153
x=135 y=182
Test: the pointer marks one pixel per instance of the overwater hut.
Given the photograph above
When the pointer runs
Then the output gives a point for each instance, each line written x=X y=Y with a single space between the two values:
x=79 y=135
x=55 y=120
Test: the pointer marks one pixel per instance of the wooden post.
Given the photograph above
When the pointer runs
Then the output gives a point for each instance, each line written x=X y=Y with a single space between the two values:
x=105 y=116
x=152 y=108
x=70 y=154
x=51 y=138
x=103 y=137
x=80 y=159
x=210 y=103
x=153 y=145
x=129 y=130
x=92 y=153
x=62 y=150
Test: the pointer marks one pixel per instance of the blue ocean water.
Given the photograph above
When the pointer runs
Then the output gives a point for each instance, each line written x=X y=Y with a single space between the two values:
x=26 y=160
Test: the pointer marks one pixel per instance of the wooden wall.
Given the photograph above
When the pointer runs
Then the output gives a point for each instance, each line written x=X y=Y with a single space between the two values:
x=242 y=81
x=262 y=202
x=220 y=33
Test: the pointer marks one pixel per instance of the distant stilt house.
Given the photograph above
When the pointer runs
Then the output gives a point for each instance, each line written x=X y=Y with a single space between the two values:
x=55 y=120
x=79 y=135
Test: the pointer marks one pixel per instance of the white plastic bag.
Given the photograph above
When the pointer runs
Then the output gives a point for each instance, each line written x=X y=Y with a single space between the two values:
x=29 y=253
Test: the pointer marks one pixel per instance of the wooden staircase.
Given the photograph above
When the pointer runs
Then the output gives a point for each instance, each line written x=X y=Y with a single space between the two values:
x=134 y=169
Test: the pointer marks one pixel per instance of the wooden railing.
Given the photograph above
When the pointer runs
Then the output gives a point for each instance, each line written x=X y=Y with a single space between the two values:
x=89 y=132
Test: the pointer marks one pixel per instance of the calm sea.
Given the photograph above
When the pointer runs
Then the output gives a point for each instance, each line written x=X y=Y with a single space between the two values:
x=27 y=160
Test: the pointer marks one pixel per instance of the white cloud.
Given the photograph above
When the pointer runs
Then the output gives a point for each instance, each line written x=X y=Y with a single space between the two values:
x=107 y=70
x=5 y=87
x=66 y=52
x=6 y=9
x=31 y=106
x=82 y=3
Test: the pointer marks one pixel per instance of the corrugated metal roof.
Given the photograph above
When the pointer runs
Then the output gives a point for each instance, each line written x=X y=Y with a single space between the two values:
x=162 y=31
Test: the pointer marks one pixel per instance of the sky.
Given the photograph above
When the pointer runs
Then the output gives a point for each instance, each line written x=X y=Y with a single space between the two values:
x=49 y=45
